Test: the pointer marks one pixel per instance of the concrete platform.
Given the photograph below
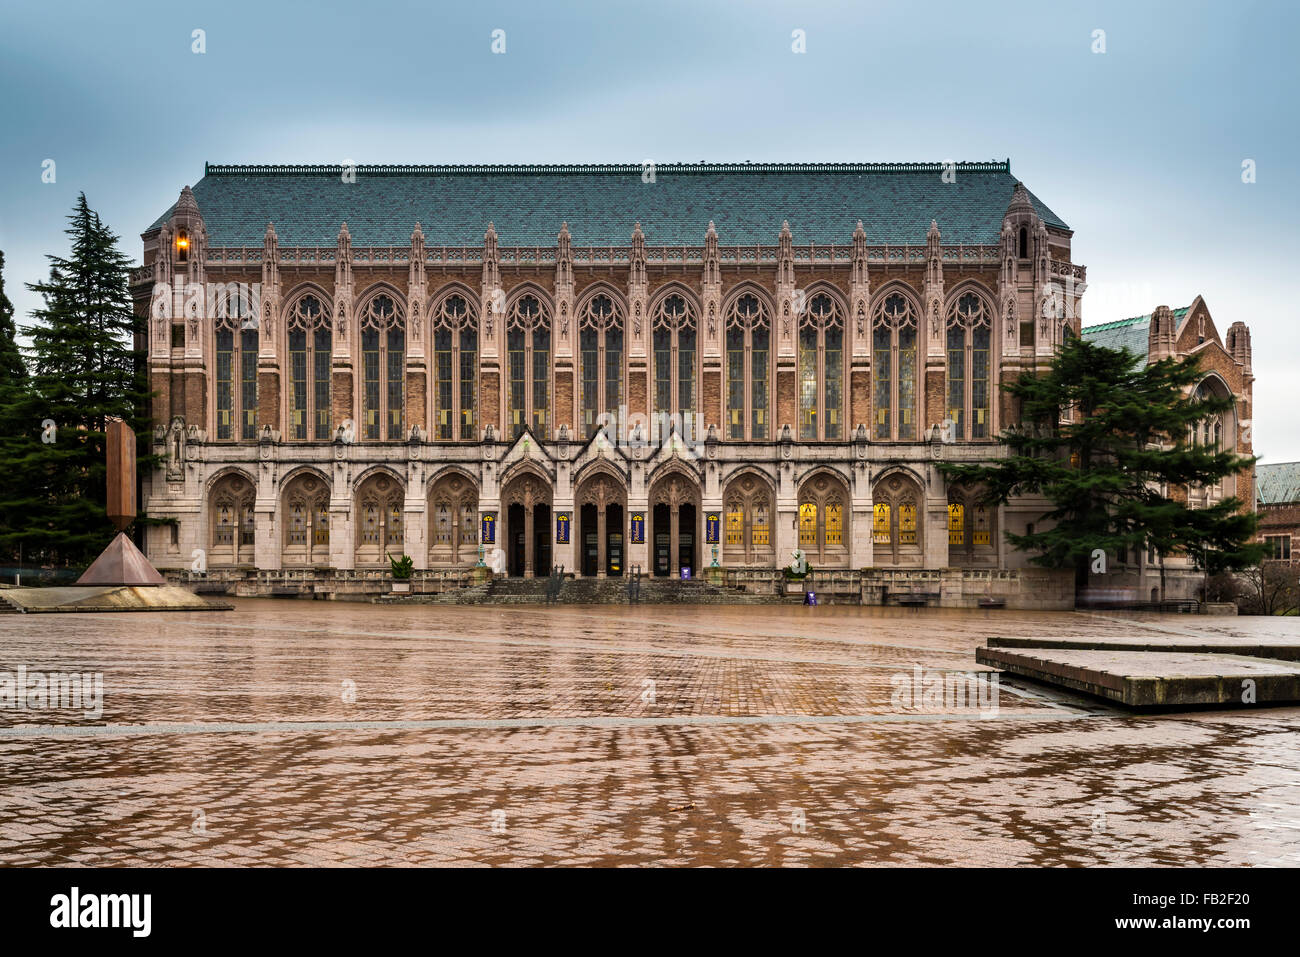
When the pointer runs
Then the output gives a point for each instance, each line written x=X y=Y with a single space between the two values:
x=104 y=598
x=1281 y=649
x=1154 y=679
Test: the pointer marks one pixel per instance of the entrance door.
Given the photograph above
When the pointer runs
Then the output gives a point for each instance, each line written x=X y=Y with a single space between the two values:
x=590 y=541
x=686 y=539
x=542 y=540
x=613 y=540
x=662 y=542
x=515 y=529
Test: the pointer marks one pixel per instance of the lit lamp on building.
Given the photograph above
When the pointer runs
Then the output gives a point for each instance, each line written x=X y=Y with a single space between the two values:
x=182 y=246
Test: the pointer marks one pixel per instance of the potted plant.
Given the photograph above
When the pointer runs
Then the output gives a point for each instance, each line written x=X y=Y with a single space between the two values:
x=402 y=568
x=795 y=573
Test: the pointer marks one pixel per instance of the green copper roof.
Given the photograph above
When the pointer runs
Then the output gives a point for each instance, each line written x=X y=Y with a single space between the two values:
x=1277 y=483
x=601 y=203
x=1131 y=334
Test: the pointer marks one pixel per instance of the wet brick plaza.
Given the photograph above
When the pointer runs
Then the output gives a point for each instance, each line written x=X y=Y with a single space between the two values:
x=312 y=733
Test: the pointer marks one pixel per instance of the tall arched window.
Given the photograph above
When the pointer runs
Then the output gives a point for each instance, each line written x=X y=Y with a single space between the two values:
x=896 y=525
x=453 y=511
x=306 y=520
x=821 y=369
x=893 y=360
x=970 y=527
x=310 y=347
x=528 y=351
x=968 y=368
x=675 y=356
x=383 y=367
x=822 y=503
x=236 y=373
x=748 y=522
x=600 y=341
x=379 y=523
x=455 y=368
x=749 y=331
x=232 y=521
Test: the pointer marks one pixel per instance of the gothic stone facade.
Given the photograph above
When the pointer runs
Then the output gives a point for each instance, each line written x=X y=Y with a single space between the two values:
x=351 y=364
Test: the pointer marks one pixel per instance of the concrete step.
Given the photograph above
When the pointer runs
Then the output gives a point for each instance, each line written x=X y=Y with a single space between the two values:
x=1153 y=680
x=591 y=591
x=1281 y=649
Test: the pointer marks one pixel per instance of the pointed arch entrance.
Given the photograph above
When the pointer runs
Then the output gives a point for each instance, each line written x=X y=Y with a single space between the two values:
x=379 y=521
x=748 y=503
x=231 y=520
x=897 y=531
x=526 y=503
x=601 y=501
x=453 y=521
x=674 y=524
x=306 y=521
x=823 y=518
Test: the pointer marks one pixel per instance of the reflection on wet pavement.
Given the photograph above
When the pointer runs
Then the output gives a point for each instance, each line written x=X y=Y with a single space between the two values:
x=291 y=732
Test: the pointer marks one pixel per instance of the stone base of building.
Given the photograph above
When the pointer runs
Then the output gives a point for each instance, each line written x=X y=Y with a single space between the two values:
x=1024 y=589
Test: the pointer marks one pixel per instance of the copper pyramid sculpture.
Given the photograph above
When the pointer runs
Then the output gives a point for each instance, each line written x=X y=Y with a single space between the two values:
x=121 y=564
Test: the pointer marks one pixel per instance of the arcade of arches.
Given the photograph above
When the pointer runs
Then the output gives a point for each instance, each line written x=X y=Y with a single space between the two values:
x=599 y=530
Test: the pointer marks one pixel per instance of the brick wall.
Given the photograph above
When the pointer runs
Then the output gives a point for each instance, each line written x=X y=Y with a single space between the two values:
x=860 y=384
x=564 y=402
x=636 y=388
x=341 y=398
x=935 y=401
x=268 y=400
x=195 y=398
x=787 y=402
x=489 y=401
x=711 y=399
x=416 y=397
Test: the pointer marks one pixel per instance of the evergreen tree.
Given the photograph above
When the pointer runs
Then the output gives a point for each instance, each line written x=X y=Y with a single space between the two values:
x=13 y=372
x=13 y=389
x=1106 y=467
x=84 y=370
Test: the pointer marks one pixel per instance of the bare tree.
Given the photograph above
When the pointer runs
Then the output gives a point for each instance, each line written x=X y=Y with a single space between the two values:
x=1272 y=588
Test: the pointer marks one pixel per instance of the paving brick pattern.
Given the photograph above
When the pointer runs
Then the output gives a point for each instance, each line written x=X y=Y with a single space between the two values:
x=489 y=736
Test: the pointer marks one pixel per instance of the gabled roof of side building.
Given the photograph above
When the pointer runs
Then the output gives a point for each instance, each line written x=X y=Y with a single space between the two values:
x=1277 y=483
x=1132 y=334
x=601 y=203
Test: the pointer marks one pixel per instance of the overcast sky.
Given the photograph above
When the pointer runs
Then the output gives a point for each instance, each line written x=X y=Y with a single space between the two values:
x=1140 y=148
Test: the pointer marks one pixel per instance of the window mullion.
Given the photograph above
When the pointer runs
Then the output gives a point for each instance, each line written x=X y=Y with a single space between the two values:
x=895 y=380
x=821 y=383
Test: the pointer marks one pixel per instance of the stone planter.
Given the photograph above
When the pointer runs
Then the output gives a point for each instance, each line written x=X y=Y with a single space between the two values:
x=402 y=587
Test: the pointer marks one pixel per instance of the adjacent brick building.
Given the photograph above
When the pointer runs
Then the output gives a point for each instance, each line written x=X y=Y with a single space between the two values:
x=1225 y=361
x=1277 y=503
